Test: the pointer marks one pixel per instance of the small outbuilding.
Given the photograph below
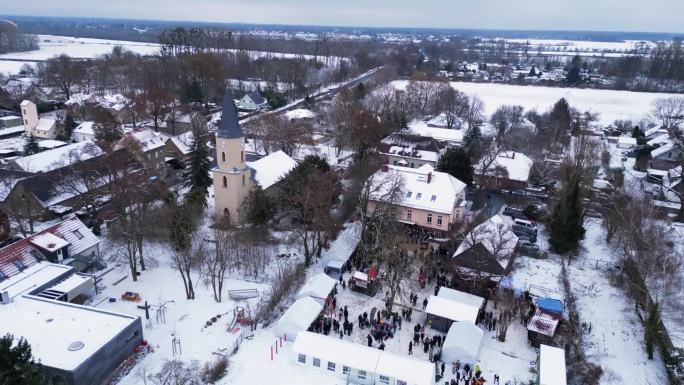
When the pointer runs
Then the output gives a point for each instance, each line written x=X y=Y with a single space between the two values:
x=442 y=312
x=541 y=328
x=298 y=318
x=462 y=343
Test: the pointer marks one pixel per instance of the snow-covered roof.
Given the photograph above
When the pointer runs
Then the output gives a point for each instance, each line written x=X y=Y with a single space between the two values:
x=48 y=241
x=360 y=357
x=654 y=130
x=59 y=157
x=10 y=117
x=462 y=343
x=146 y=138
x=460 y=296
x=410 y=152
x=85 y=128
x=51 y=143
x=543 y=323
x=318 y=287
x=551 y=366
x=33 y=277
x=45 y=124
x=423 y=188
x=183 y=142
x=518 y=165
x=627 y=141
x=669 y=146
x=298 y=317
x=660 y=139
x=452 y=310
x=53 y=326
x=495 y=235
x=419 y=127
x=299 y=113
x=271 y=168
x=343 y=247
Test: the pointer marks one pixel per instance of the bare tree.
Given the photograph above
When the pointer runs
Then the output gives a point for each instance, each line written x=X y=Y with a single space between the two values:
x=188 y=261
x=177 y=372
x=216 y=265
x=668 y=112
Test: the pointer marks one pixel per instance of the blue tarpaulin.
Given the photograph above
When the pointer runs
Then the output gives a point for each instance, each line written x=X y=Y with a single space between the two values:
x=550 y=305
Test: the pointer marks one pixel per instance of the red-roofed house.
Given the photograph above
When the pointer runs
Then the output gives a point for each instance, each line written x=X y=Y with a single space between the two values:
x=69 y=242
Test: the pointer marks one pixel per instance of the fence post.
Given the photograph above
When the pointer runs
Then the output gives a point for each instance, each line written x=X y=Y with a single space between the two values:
x=281 y=342
x=271 y=353
x=276 y=345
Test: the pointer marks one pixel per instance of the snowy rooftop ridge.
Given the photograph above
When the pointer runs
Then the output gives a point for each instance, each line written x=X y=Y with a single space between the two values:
x=271 y=168
x=424 y=188
x=517 y=164
x=59 y=157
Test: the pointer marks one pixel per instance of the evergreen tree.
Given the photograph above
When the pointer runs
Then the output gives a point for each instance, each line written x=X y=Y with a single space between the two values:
x=637 y=133
x=191 y=92
x=472 y=141
x=17 y=366
x=456 y=162
x=182 y=227
x=197 y=177
x=259 y=207
x=69 y=125
x=31 y=146
x=566 y=227
x=275 y=98
x=359 y=91
x=573 y=76
x=533 y=72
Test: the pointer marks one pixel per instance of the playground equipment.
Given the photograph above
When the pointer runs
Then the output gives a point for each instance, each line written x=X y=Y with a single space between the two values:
x=243 y=294
x=130 y=296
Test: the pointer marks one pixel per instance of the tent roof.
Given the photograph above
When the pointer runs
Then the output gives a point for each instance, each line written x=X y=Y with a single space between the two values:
x=543 y=323
x=460 y=296
x=551 y=366
x=319 y=286
x=298 y=317
x=550 y=304
x=453 y=310
x=464 y=336
x=343 y=247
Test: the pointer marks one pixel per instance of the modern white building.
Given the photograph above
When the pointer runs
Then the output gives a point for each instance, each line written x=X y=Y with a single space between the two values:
x=84 y=132
x=359 y=364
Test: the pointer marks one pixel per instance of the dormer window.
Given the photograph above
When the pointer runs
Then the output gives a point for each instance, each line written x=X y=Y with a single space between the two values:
x=78 y=234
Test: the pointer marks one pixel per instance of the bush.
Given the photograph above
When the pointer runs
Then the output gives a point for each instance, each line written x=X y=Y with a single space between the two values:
x=214 y=371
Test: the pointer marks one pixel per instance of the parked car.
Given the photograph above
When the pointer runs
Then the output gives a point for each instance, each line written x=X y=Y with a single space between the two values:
x=529 y=247
x=524 y=226
x=525 y=236
x=514 y=213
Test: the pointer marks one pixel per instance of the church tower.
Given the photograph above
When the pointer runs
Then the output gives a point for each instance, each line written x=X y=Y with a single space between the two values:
x=231 y=176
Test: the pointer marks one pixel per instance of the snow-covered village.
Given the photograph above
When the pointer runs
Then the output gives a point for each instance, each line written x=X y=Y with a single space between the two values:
x=299 y=193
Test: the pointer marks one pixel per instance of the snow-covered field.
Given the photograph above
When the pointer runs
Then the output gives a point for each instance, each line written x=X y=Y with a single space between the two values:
x=582 y=45
x=51 y=46
x=611 y=105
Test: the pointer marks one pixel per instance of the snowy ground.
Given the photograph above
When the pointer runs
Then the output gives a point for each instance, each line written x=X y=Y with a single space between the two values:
x=612 y=105
x=616 y=341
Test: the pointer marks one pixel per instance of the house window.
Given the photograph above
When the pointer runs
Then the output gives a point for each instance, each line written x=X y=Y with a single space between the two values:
x=408 y=194
x=78 y=234
x=418 y=196
x=346 y=370
x=413 y=165
x=243 y=180
x=362 y=375
x=223 y=157
x=384 y=380
x=433 y=198
x=408 y=214
x=429 y=218
x=439 y=220
x=225 y=182
x=395 y=162
x=301 y=358
x=242 y=156
x=400 y=382
x=331 y=366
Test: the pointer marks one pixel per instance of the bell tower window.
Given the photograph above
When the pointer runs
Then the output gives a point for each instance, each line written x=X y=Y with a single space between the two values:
x=225 y=182
x=223 y=157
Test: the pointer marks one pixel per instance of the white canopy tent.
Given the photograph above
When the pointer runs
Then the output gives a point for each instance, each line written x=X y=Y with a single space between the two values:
x=551 y=366
x=463 y=343
x=317 y=287
x=298 y=318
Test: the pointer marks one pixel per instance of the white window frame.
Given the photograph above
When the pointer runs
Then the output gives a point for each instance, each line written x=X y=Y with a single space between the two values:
x=331 y=366
x=301 y=358
x=400 y=382
x=409 y=213
x=383 y=379
x=346 y=369
x=362 y=374
x=429 y=218
x=439 y=220
x=316 y=362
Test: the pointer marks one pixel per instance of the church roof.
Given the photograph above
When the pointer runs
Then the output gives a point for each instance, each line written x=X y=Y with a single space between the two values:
x=229 y=127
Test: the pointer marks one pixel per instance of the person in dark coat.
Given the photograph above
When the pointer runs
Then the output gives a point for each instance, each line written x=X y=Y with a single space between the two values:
x=382 y=346
x=442 y=369
x=370 y=340
x=410 y=348
x=436 y=289
x=346 y=313
x=425 y=301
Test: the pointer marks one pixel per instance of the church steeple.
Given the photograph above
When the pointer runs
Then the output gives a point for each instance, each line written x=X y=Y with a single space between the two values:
x=229 y=128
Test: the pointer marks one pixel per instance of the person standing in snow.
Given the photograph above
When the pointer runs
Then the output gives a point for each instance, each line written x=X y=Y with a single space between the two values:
x=425 y=301
x=496 y=379
x=370 y=340
x=443 y=366
x=410 y=348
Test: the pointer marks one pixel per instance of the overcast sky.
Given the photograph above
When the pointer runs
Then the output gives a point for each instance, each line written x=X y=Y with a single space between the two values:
x=597 y=15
